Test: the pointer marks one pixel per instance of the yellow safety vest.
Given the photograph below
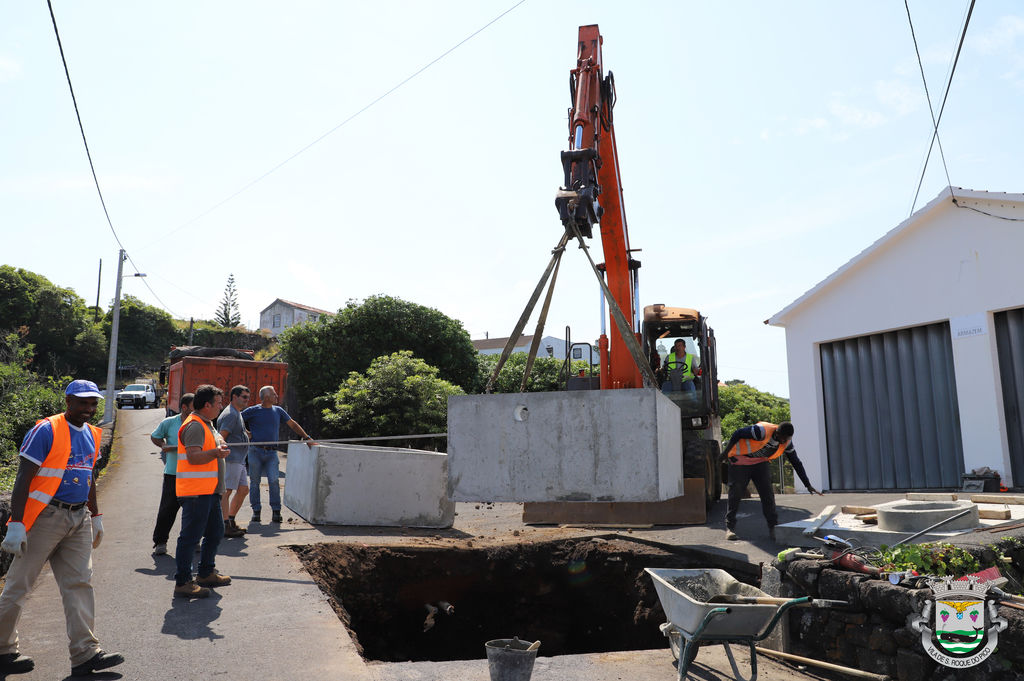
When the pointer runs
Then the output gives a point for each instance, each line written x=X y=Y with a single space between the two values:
x=686 y=364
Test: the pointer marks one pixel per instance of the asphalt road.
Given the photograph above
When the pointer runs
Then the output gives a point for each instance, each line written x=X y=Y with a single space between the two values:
x=274 y=623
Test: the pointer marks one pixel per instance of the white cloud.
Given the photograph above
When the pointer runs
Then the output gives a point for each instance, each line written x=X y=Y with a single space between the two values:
x=898 y=96
x=9 y=69
x=854 y=116
x=1002 y=38
x=806 y=125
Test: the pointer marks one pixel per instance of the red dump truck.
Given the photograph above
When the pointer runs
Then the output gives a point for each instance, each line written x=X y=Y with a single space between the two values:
x=187 y=371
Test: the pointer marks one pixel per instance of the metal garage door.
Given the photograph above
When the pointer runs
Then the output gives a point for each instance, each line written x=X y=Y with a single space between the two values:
x=891 y=415
x=1010 y=345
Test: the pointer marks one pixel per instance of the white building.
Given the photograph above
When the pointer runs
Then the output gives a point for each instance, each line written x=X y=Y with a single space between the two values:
x=549 y=346
x=906 y=365
x=281 y=314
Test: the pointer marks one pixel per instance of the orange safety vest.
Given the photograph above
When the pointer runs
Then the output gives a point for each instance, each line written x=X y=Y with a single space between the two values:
x=47 y=479
x=751 y=446
x=192 y=480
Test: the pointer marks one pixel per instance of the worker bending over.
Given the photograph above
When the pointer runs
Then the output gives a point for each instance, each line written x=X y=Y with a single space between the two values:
x=754 y=447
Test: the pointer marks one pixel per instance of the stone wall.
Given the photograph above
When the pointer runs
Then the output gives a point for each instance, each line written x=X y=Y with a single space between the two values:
x=873 y=633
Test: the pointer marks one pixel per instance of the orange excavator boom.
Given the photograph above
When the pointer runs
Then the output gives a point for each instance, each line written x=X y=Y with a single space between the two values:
x=592 y=194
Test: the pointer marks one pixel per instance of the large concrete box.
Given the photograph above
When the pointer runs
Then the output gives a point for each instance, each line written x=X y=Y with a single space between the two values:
x=587 y=445
x=340 y=484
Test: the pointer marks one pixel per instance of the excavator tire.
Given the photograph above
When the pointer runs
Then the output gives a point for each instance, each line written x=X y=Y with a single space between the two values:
x=700 y=460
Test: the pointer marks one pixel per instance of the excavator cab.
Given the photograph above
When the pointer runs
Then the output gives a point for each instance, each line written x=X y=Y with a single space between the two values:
x=681 y=349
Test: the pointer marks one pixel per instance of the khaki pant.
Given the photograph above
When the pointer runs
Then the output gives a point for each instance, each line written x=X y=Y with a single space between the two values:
x=65 y=539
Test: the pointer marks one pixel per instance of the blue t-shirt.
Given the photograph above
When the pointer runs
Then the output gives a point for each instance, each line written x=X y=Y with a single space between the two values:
x=265 y=424
x=168 y=432
x=74 y=488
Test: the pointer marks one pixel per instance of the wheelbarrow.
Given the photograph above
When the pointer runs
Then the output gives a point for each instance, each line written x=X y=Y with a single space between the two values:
x=709 y=606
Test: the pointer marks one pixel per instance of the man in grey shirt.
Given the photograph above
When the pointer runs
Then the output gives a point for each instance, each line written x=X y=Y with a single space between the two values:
x=236 y=478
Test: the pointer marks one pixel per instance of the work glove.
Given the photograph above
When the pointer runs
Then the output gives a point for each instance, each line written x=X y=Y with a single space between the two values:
x=16 y=540
x=97 y=530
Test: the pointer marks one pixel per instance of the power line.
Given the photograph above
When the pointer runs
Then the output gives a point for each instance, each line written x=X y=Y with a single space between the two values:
x=931 y=109
x=945 y=97
x=344 y=122
x=991 y=215
x=88 y=154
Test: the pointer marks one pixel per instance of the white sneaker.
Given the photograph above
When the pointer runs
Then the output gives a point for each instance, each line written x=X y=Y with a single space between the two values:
x=160 y=550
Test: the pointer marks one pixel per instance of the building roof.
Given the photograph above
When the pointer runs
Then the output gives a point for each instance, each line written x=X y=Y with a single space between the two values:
x=960 y=196
x=298 y=306
x=499 y=343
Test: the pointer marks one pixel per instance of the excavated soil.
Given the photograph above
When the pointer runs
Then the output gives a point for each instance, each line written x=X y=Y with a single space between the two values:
x=576 y=596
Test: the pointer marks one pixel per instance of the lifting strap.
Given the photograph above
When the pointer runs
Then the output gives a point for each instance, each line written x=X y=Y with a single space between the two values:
x=541 y=320
x=620 y=320
x=556 y=256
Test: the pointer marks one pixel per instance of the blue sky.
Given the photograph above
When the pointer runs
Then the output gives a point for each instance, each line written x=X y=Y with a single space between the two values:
x=762 y=145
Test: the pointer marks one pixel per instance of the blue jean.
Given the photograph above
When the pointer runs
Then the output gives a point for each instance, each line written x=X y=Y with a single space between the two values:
x=200 y=519
x=264 y=462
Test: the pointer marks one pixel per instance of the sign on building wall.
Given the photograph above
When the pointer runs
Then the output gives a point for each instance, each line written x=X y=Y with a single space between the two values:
x=968 y=325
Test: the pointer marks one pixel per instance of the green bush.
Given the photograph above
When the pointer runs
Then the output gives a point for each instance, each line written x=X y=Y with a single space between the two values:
x=25 y=398
x=322 y=354
x=544 y=375
x=398 y=395
x=742 y=405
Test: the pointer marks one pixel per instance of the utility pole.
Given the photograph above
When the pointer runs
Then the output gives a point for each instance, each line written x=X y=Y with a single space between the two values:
x=108 y=402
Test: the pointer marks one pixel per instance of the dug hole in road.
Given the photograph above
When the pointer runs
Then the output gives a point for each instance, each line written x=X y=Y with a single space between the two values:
x=282 y=620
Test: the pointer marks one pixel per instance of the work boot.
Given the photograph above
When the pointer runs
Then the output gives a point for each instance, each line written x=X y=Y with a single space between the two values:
x=160 y=550
x=730 y=535
x=255 y=517
x=231 y=530
x=277 y=517
x=100 y=660
x=191 y=590
x=16 y=663
x=771 y=533
x=236 y=526
x=213 y=579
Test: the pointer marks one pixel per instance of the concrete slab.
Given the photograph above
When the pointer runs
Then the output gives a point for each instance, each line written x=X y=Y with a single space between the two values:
x=588 y=445
x=343 y=484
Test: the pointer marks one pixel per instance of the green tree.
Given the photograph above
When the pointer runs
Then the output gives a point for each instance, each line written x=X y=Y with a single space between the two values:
x=53 y=317
x=145 y=334
x=742 y=405
x=89 y=353
x=322 y=354
x=398 y=395
x=227 y=314
x=544 y=376
x=25 y=398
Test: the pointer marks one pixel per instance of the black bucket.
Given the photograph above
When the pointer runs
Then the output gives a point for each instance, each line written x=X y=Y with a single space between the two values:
x=508 y=659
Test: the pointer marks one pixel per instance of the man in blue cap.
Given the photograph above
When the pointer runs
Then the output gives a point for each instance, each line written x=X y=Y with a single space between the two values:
x=55 y=519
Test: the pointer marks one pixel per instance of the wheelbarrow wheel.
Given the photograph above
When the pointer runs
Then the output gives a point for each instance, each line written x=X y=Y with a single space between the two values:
x=676 y=644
